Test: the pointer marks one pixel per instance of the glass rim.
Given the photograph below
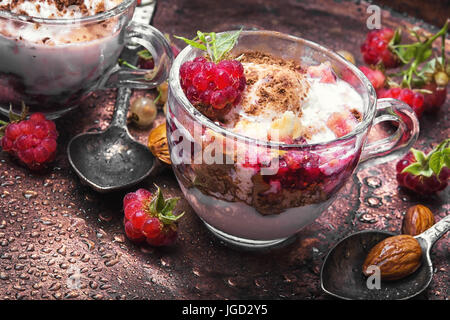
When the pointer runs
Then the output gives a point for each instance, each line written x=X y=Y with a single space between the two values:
x=175 y=86
x=123 y=6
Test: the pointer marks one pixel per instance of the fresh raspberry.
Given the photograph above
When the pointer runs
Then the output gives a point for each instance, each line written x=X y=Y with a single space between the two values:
x=414 y=99
x=375 y=76
x=296 y=170
x=32 y=141
x=375 y=48
x=434 y=100
x=416 y=173
x=150 y=218
x=207 y=84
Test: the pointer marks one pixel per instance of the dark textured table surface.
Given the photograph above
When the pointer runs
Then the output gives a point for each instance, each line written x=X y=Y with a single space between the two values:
x=61 y=240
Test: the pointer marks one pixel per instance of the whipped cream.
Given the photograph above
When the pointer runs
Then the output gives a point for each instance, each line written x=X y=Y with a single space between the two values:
x=299 y=113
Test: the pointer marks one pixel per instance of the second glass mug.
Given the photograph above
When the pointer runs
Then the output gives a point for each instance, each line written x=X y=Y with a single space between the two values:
x=58 y=65
x=235 y=200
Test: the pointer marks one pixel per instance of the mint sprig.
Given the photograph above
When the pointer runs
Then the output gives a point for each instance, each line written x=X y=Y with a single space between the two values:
x=163 y=208
x=216 y=45
x=432 y=163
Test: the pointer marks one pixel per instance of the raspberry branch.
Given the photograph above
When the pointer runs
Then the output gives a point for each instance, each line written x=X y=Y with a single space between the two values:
x=415 y=54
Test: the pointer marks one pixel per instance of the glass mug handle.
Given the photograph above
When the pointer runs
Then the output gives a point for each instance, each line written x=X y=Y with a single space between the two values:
x=400 y=141
x=155 y=42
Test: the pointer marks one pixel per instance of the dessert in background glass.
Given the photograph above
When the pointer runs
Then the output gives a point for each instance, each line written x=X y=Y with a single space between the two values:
x=256 y=189
x=54 y=53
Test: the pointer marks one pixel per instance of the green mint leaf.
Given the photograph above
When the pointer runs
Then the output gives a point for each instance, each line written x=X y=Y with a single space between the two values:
x=145 y=54
x=217 y=46
x=193 y=43
x=417 y=169
x=226 y=42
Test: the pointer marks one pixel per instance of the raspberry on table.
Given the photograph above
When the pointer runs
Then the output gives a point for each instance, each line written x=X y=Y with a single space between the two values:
x=149 y=217
x=375 y=48
x=417 y=173
x=32 y=141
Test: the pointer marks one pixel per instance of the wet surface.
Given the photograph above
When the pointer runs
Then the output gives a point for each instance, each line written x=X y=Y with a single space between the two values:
x=61 y=240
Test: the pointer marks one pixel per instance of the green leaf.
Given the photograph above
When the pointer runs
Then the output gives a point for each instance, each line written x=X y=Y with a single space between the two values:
x=160 y=203
x=226 y=42
x=145 y=54
x=170 y=218
x=447 y=157
x=127 y=64
x=169 y=205
x=193 y=43
x=421 y=158
x=417 y=169
x=157 y=204
x=217 y=46
x=437 y=162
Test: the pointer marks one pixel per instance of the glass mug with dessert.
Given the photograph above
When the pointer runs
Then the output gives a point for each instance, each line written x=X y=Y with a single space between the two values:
x=262 y=141
x=54 y=53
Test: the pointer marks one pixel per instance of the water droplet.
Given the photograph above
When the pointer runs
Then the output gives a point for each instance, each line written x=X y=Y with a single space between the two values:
x=28 y=194
x=374 y=202
x=373 y=182
x=4 y=276
x=368 y=218
x=62 y=250
x=54 y=286
x=71 y=295
x=120 y=238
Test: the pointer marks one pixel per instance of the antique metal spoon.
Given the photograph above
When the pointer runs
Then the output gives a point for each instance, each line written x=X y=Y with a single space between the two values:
x=111 y=160
x=342 y=277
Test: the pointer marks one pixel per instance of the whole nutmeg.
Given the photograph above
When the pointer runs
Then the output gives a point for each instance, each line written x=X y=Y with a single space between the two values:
x=397 y=257
x=417 y=219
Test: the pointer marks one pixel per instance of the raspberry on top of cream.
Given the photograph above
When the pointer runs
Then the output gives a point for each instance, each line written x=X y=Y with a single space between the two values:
x=58 y=9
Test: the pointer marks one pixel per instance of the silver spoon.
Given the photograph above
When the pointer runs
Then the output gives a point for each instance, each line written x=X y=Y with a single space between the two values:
x=341 y=275
x=111 y=160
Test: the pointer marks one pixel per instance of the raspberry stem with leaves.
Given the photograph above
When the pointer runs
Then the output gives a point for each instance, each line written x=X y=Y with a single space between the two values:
x=431 y=163
x=417 y=53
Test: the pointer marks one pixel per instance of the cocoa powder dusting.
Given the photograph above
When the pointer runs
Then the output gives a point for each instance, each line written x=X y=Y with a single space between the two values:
x=284 y=89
